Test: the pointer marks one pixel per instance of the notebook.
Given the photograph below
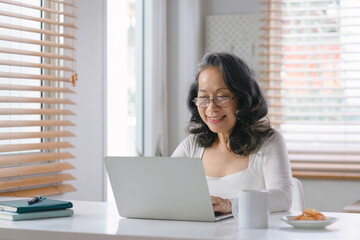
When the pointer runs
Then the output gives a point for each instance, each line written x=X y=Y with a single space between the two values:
x=22 y=205
x=13 y=216
x=161 y=188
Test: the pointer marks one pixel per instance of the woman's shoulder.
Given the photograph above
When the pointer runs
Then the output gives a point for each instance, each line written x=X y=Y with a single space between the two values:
x=189 y=140
x=275 y=139
x=277 y=135
x=188 y=147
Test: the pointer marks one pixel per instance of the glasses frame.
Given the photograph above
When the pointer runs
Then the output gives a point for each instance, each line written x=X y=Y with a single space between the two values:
x=214 y=101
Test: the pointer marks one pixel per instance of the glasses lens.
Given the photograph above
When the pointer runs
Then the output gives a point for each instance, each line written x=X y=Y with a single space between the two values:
x=222 y=101
x=202 y=102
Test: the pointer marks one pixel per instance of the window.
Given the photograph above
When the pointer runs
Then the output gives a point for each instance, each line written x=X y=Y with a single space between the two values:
x=311 y=53
x=123 y=90
x=37 y=49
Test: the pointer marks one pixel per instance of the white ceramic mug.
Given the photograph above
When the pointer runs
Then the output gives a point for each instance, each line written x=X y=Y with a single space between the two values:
x=250 y=208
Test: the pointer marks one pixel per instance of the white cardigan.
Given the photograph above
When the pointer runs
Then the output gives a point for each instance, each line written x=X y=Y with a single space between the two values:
x=269 y=169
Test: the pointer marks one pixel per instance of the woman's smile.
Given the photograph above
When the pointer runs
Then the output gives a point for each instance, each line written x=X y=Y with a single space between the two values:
x=216 y=119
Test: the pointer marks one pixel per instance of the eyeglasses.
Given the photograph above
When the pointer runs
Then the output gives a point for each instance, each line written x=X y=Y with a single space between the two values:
x=220 y=101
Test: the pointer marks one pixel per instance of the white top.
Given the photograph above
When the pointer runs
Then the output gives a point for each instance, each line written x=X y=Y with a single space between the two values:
x=269 y=169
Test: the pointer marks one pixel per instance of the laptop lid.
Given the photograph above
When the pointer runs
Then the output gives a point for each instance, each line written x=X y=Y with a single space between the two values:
x=160 y=188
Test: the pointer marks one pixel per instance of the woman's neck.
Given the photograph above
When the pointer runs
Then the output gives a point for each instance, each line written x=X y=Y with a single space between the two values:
x=223 y=141
x=223 y=138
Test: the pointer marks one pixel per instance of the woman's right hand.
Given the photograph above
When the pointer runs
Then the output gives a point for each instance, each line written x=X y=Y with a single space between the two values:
x=221 y=205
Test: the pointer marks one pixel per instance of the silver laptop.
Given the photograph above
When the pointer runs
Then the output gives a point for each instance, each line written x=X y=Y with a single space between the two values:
x=161 y=188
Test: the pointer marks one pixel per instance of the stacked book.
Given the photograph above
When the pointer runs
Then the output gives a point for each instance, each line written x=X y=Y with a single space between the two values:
x=24 y=209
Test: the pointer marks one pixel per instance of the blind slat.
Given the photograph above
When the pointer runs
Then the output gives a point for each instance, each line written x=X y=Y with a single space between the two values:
x=34 y=65
x=42 y=123
x=34 y=169
x=8 y=194
x=33 y=53
x=21 y=4
x=42 y=111
x=33 y=76
x=34 y=146
x=37 y=19
x=308 y=79
x=322 y=96
x=327 y=44
x=310 y=88
x=307 y=17
x=34 y=88
x=308 y=53
x=267 y=2
x=323 y=150
x=305 y=9
x=35 y=30
x=310 y=105
x=304 y=122
x=314 y=114
x=11 y=159
x=326 y=167
x=343 y=131
x=321 y=141
x=44 y=191
x=311 y=158
x=35 y=100
x=35 y=42
x=326 y=175
x=281 y=27
x=299 y=36
x=34 y=181
x=42 y=134
x=308 y=70
x=65 y=188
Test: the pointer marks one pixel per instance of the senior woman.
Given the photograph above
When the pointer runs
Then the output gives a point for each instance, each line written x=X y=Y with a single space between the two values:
x=229 y=131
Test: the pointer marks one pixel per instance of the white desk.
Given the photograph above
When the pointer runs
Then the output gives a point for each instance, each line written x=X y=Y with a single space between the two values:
x=98 y=220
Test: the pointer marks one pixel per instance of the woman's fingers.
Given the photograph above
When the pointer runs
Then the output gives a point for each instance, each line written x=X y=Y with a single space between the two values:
x=214 y=199
x=221 y=205
x=215 y=203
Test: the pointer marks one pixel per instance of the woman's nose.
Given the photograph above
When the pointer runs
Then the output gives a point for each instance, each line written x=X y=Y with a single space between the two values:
x=212 y=105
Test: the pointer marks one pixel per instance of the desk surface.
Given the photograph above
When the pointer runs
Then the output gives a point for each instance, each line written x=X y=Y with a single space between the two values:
x=99 y=220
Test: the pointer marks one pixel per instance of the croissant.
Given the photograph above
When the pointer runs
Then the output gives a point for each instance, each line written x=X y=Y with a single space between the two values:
x=310 y=215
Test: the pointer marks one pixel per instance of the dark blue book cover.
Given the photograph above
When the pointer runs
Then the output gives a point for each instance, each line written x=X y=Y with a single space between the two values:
x=22 y=205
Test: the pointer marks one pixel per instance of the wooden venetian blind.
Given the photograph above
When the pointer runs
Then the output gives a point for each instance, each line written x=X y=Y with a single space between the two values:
x=310 y=59
x=37 y=67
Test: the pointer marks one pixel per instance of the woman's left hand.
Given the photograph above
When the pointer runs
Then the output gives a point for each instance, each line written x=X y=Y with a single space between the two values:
x=221 y=205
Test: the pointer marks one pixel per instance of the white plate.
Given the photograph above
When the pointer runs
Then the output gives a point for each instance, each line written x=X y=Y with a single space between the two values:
x=308 y=224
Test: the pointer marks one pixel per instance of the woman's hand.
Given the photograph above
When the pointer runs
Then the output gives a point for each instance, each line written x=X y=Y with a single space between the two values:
x=221 y=205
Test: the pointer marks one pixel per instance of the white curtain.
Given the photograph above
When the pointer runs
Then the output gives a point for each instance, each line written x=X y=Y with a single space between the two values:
x=173 y=47
x=155 y=80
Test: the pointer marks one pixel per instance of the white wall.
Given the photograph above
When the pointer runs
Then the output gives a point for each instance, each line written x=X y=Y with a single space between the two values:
x=330 y=195
x=89 y=103
x=183 y=54
x=230 y=7
x=184 y=51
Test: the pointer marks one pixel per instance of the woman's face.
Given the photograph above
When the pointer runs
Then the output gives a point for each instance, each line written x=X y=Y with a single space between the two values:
x=211 y=85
